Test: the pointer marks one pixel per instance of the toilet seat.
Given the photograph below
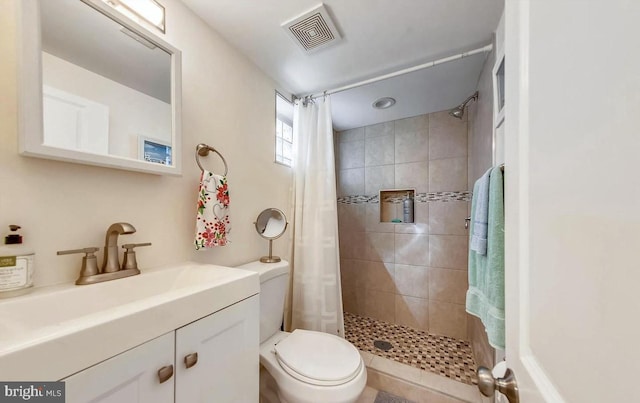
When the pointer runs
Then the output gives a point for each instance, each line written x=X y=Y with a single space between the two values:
x=318 y=358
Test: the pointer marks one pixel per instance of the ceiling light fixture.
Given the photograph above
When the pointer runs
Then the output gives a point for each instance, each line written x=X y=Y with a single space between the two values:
x=147 y=10
x=384 y=103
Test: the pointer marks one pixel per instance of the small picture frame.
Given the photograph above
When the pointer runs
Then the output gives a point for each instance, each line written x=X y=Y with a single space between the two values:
x=154 y=150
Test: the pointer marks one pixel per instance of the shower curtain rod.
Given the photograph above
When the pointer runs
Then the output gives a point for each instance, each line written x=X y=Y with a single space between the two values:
x=462 y=55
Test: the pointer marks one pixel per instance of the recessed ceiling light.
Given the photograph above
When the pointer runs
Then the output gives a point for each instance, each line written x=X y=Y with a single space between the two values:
x=384 y=103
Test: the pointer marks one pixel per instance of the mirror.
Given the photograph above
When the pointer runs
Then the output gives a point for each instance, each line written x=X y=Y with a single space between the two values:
x=271 y=224
x=98 y=88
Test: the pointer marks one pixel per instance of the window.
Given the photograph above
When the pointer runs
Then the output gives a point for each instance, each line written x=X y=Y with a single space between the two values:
x=284 y=131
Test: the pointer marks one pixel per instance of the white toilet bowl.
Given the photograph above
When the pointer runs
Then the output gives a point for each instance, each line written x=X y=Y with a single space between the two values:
x=307 y=366
x=313 y=367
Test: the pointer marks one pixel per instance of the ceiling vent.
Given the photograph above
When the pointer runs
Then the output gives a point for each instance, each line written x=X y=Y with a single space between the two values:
x=313 y=30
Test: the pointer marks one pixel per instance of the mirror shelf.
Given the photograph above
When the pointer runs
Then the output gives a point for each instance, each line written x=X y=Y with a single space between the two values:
x=32 y=140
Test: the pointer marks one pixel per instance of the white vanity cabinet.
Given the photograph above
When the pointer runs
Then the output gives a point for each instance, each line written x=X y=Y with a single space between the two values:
x=214 y=359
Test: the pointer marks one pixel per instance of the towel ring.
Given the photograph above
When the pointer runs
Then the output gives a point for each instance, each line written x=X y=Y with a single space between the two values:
x=202 y=150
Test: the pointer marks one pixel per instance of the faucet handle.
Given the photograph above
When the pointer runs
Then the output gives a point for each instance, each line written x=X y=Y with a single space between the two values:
x=89 y=261
x=130 y=255
x=89 y=251
x=129 y=246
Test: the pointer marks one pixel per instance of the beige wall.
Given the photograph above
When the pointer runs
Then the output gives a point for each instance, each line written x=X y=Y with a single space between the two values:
x=409 y=274
x=227 y=103
x=481 y=159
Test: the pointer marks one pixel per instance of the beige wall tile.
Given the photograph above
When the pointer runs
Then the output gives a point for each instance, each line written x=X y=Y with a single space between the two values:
x=380 y=305
x=353 y=300
x=412 y=175
x=380 y=276
x=447 y=319
x=377 y=178
x=412 y=249
x=350 y=155
x=352 y=245
x=372 y=219
x=412 y=312
x=379 y=151
x=397 y=369
x=448 y=140
x=448 y=285
x=459 y=390
x=448 y=251
x=421 y=212
x=412 y=281
x=448 y=175
x=351 y=217
x=408 y=390
x=413 y=124
x=379 y=247
x=347 y=273
x=351 y=135
x=411 y=146
x=360 y=273
x=447 y=218
x=483 y=353
x=351 y=182
x=380 y=129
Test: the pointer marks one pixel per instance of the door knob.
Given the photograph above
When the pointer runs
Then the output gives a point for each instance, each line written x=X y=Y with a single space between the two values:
x=506 y=385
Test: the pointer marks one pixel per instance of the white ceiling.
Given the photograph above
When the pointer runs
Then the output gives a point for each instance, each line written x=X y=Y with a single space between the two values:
x=378 y=36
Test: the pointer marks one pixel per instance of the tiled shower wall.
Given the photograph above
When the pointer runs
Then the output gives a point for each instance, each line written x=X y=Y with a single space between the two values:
x=408 y=274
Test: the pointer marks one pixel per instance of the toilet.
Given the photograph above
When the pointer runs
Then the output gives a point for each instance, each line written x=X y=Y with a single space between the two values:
x=305 y=366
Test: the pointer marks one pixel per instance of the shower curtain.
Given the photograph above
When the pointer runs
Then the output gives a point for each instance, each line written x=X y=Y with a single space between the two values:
x=316 y=298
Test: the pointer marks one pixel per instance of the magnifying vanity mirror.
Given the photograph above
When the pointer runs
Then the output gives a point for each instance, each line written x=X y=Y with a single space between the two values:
x=97 y=88
x=271 y=224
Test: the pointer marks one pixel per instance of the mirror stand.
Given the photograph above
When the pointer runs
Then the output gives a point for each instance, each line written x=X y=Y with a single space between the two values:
x=270 y=258
x=271 y=224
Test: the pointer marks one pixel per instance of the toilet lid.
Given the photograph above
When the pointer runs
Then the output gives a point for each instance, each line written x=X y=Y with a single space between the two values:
x=318 y=358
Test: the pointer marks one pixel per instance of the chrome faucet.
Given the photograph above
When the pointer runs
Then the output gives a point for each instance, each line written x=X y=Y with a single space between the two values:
x=111 y=261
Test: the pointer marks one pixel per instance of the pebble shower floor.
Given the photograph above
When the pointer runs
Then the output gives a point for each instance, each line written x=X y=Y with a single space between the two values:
x=442 y=355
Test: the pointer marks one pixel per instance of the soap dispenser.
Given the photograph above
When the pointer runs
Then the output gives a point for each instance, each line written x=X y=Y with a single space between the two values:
x=16 y=265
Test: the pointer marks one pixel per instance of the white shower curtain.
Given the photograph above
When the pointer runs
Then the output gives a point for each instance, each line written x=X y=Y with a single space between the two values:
x=316 y=296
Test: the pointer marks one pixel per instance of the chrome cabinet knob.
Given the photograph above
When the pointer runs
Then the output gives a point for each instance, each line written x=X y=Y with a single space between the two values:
x=506 y=385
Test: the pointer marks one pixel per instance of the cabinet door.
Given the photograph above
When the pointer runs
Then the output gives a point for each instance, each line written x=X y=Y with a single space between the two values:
x=227 y=347
x=129 y=377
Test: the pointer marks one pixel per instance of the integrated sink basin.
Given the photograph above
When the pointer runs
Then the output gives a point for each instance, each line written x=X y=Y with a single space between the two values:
x=52 y=331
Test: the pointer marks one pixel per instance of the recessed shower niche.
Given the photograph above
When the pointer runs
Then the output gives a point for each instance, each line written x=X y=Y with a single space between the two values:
x=397 y=206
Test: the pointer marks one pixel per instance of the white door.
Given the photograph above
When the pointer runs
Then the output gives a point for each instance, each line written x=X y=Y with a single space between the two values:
x=130 y=377
x=217 y=357
x=572 y=183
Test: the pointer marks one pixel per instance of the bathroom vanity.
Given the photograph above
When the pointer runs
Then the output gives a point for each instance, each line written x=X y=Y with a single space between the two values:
x=185 y=333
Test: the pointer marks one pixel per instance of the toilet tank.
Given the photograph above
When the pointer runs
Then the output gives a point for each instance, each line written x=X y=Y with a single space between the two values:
x=274 y=283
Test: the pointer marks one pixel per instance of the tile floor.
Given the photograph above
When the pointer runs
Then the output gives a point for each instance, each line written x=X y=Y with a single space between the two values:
x=442 y=355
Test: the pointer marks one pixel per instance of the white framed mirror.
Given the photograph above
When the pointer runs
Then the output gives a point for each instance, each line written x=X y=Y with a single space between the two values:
x=97 y=88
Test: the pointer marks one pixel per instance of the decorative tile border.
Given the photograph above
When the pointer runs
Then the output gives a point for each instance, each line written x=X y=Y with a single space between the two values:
x=419 y=198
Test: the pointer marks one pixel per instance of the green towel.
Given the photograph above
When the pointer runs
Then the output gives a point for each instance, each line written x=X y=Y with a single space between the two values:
x=485 y=297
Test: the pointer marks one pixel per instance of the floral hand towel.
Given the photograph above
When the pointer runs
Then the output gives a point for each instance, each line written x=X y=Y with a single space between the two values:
x=212 y=222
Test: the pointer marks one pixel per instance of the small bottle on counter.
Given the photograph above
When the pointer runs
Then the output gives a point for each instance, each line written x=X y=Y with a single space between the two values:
x=16 y=265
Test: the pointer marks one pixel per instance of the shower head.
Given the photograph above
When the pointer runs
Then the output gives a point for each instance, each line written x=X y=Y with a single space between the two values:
x=458 y=111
